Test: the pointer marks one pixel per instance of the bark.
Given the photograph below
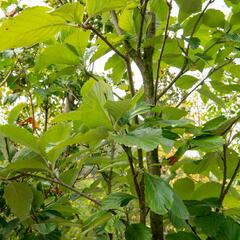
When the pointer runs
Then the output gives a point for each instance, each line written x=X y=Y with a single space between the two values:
x=156 y=220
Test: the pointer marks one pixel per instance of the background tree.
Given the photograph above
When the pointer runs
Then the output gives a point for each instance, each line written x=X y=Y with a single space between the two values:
x=78 y=161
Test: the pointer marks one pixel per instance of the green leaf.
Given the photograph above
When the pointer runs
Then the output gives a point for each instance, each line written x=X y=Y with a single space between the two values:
x=207 y=143
x=184 y=188
x=71 y=12
x=92 y=137
x=181 y=236
x=207 y=190
x=214 y=18
x=229 y=230
x=92 y=109
x=186 y=81
x=117 y=108
x=13 y=115
x=178 y=208
x=138 y=231
x=190 y=6
x=159 y=195
x=118 y=67
x=19 y=198
x=144 y=138
x=44 y=228
x=169 y=113
x=160 y=8
x=50 y=55
x=32 y=26
x=210 y=224
x=25 y=159
x=97 y=219
x=100 y=6
x=79 y=40
x=207 y=93
x=116 y=200
x=20 y=135
x=53 y=137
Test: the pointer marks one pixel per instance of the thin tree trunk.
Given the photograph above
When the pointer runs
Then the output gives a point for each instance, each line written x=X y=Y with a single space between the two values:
x=156 y=220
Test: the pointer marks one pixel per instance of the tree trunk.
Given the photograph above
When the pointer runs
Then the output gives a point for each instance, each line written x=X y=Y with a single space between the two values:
x=156 y=220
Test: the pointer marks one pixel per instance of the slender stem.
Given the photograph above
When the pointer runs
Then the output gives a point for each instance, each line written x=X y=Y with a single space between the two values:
x=56 y=181
x=90 y=27
x=46 y=109
x=33 y=112
x=5 y=78
x=130 y=77
x=193 y=230
x=165 y=37
x=224 y=159
x=134 y=174
x=181 y=72
x=143 y=13
x=7 y=149
x=230 y=183
x=213 y=70
x=185 y=68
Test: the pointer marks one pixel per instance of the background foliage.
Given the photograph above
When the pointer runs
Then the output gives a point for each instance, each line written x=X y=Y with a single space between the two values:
x=89 y=155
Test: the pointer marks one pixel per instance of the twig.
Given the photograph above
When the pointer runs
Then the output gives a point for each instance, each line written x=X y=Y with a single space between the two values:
x=213 y=70
x=6 y=78
x=224 y=159
x=143 y=13
x=230 y=183
x=33 y=112
x=90 y=27
x=56 y=181
x=186 y=52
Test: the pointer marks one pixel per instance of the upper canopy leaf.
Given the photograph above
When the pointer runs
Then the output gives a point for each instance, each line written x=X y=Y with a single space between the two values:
x=32 y=26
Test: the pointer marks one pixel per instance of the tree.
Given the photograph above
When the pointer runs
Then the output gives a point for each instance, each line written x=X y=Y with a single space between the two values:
x=78 y=160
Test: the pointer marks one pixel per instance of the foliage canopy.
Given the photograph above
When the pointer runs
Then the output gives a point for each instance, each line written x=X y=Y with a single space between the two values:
x=89 y=155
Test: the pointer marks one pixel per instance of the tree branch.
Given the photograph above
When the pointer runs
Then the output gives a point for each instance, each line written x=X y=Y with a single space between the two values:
x=143 y=13
x=90 y=27
x=213 y=70
x=5 y=78
x=56 y=181
x=185 y=68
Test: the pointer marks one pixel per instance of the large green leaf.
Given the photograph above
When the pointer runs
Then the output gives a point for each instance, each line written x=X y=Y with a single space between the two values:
x=184 y=187
x=186 y=81
x=71 y=12
x=54 y=135
x=93 y=113
x=160 y=8
x=144 y=138
x=50 y=55
x=20 y=135
x=13 y=115
x=181 y=236
x=210 y=224
x=207 y=143
x=100 y=6
x=190 y=6
x=178 y=208
x=25 y=159
x=116 y=200
x=138 y=231
x=79 y=40
x=32 y=26
x=19 y=198
x=159 y=195
x=207 y=93
x=214 y=18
